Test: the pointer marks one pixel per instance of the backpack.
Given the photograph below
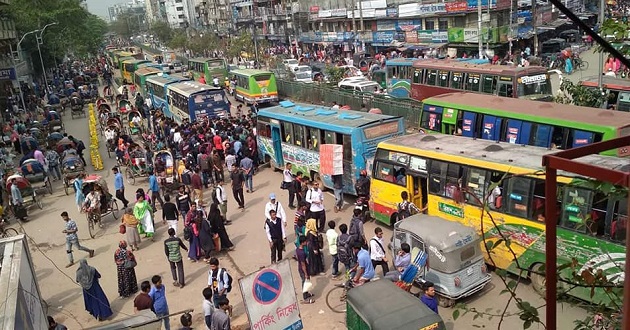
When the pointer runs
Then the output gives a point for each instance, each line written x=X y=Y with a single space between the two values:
x=354 y=232
x=343 y=249
x=403 y=210
x=320 y=240
x=229 y=281
x=187 y=233
x=186 y=179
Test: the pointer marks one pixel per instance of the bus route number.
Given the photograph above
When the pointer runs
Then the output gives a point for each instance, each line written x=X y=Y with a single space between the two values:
x=533 y=79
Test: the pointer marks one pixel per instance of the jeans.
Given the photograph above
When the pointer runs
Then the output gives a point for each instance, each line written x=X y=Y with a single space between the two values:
x=216 y=297
x=335 y=264
x=238 y=197
x=249 y=184
x=338 y=197
x=120 y=194
x=74 y=243
x=206 y=178
x=218 y=175
x=166 y=319
x=276 y=250
x=292 y=195
x=177 y=270
x=54 y=170
x=155 y=195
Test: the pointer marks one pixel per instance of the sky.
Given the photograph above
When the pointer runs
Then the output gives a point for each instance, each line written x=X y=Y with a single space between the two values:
x=99 y=7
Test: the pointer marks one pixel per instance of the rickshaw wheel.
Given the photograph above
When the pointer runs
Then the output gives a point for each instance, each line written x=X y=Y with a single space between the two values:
x=66 y=188
x=90 y=225
x=38 y=201
x=445 y=302
x=336 y=299
x=538 y=281
x=109 y=153
x=115 y=208
x=49 y=185
x=130 y=178
x=9 y=232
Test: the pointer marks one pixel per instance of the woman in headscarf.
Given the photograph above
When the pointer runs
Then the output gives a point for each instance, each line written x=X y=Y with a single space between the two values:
x=127 y=283
x=315 y=259
x=79 y=197
x=95 y=300
x=193 y=221
x=131 y=230
x=218 y=227
x=142 y=211
x=206 y=237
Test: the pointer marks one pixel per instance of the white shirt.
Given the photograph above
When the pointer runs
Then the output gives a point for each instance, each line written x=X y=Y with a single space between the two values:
x=110 y=134
x=284 y=234
x=148 y=102
x=177 y=137
x=208 y=309
x=279 y=211
x=313 y=196
x=331 y=237
x=220 y=194
x=376 y=253
x=286 y=176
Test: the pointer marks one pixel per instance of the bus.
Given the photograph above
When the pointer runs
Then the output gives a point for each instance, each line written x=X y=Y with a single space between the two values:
x=618 y=90
x=128 y=68
x=157 y=90
x=192 y=100
x=140 y=78
x=434 y=77
x=541 y=124
x=208 y=68
x=452 y=177
x=297 y=133
x=399 y=74
x=254 y=85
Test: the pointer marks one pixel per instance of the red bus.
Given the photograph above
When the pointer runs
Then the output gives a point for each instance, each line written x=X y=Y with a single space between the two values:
x=435 y=77
x=617 y=89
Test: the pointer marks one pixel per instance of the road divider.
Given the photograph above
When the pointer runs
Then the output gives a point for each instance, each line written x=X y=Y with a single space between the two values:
x=95 y=156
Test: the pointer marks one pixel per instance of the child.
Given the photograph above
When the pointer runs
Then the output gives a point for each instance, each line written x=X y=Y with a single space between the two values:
x=331 y=236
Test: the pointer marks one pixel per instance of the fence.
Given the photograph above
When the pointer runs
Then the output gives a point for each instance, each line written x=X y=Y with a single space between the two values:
x=325 y=94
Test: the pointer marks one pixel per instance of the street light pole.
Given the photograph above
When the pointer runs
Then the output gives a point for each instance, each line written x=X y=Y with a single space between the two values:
x=17 y=77
x=40 y=41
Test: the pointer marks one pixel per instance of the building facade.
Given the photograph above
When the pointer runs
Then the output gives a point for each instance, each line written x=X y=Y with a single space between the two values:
x=179 y=13
x=12 y=70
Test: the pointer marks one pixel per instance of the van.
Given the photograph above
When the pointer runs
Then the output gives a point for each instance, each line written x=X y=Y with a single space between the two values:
x=177 y=66
x=302 y=69
x=360 y=86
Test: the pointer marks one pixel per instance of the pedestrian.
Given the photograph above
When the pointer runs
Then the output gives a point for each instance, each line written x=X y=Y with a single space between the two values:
x=94 y=298
x=315 y=258
x=401 y=262
x=217 y=222
x=247 y=166
x=143 y=300
x=79 y=197
x=125 y=268
x=143 y=212
x=52 y=157
x=17 y=200
x=338 y=191
x=315 y=196
x=183 y=202
x=193 y=225
x=170 y=215
x=406 y=208
x=220 y=198
x=131 y=229
x=289 y=184
x=275 y=205
x=220 y=281
x=331 y=238
x=429 y=298
x=344 y=248
x=356 y=231
x=119 y=186
x=154 y=188
x=276 y=236
x=197 y=185
x=299 y=186
x=207 y=306
x=220 y=317
x=238 y=181
x=301 y=256
x=53 y=325
x=172 y=249
x=206 y=238
x=186 y=321
x=377 y=251
x=72 y=240
x=158 y=295
x=217 y=165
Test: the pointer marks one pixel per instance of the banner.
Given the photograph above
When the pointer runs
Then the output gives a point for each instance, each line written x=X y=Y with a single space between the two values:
x=7 y=74
x=383 y=37
x=456 y=7
x=331 y=159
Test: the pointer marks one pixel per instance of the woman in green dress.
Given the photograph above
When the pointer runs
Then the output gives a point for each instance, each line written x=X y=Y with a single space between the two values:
x=144 y=213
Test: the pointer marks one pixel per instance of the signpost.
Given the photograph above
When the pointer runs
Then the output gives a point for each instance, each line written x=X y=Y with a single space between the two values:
x=270 y=300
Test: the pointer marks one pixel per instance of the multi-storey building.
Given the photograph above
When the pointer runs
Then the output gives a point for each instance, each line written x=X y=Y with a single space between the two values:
x=179 y=13
x=214 y=15
x=10 y=70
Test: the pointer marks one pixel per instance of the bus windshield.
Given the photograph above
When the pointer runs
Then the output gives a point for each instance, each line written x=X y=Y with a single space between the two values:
x=534 y=85
x=262 y=77
x=215 y=64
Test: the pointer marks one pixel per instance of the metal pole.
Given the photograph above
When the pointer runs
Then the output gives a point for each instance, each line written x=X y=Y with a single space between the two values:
x=479 y=39
x=17 y=76
x=511 y=38
x=625 y=310
x=535 y=24
x=489 y=25
x=550 y=246
x=41 y=60
x=600 y=76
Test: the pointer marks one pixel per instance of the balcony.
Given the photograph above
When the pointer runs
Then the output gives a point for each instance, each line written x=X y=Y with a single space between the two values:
x=5 y=2
x=7 y=30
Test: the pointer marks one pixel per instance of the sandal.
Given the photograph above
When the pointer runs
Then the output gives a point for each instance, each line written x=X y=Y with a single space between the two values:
x=309 y=301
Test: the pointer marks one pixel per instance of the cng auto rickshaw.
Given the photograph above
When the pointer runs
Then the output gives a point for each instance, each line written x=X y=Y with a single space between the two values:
x=456 y=262
x=381 y=305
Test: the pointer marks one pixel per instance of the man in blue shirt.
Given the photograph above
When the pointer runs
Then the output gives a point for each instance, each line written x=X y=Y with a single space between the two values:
x=119 y=186
x=247 y=165
x=429 y=298
x=160 y=306
x=364 y=270
x=154 y=188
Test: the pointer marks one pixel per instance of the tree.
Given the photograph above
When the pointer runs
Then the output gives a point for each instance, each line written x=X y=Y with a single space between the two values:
x=179 y=40
x=126 y=24
x=616 y=32
x=162 y=31
x=201 y=43
x=571 y=93
x=241 y=45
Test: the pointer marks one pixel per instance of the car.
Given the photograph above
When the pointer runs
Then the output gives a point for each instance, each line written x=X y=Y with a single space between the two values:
x=177 y=66
x=348 y=80
x=166 y=68
x=351 y=71
x=302 y=68
x=290 y=63
x=304 y=77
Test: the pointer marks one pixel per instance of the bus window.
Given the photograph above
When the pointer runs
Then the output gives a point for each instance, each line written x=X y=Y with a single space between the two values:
x=443 y=79
x=506 y=90
x=287 y=132
x=623 y=101
x=347 y=148
x=263 y=129
x=576 y=208
x=596 y=221
x=392 y=72
x=312 y=138
x=437 y=177
x=431 y=77
x=489 y=84
x=455 y=175
x=473 y=82
x=517 y=197
x=457 y=80
x=386 y=172
x=538 y=202
x=329 y=137
x=476 y=184
x=417 y=77
x=619 y=223
x=298 y=135
x=559 y=137
x=431 y=121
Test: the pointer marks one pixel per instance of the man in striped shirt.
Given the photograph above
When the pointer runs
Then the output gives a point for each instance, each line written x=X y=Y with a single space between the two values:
x=172 y=249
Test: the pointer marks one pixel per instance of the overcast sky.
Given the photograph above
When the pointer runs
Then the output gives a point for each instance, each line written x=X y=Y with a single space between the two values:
x=99 y=7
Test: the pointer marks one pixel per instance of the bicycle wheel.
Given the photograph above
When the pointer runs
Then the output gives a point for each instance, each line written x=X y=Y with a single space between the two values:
x=91 y=226
x=9 y=232
x=584 y=65
x=336 y=299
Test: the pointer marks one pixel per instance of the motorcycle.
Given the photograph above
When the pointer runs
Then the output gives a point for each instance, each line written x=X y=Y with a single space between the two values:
x=362 y=204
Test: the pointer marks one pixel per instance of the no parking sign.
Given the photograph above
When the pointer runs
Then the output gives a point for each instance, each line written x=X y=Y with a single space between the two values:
x=270 y=300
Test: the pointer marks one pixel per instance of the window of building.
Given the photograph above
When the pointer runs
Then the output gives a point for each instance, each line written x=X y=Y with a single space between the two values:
x=443 y=24
x=429 y=24
x=459 y=21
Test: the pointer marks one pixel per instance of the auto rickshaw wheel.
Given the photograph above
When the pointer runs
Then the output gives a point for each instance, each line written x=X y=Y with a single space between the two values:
x=445 y=302
x=66 y=187
x=538 y=281
x=9 y=232
x=130 y=177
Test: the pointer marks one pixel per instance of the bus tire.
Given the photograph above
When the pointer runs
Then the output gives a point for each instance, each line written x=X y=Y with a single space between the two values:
x=538 y=281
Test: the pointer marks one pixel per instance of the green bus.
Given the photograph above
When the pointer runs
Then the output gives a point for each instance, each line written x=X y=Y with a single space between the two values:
x=525 y=122
x=208 y=68
x=255 y=86
x=129 y=67
x=140 y=78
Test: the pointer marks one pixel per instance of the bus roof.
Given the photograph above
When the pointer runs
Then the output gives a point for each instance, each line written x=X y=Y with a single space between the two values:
x=508 y=154
x=608 y=82
x=204 y=59
x=249 y=72
x=400 y=61
x=147 y=70
x=289 y=111
x=471 y=66
x=190 y=87
x=166 y=79
x=566 y=112
x=135 y=61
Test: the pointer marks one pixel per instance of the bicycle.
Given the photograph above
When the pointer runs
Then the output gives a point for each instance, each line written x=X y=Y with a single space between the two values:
x=336 y=297
x=7 y=232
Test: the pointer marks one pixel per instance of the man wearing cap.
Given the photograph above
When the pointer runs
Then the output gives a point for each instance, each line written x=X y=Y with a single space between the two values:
x=275 y=205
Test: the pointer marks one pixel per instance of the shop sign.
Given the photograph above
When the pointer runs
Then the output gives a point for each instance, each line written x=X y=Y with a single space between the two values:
x=425 y=36
x=314 y=9
x=324 y=14
x=455 y=7
x=7 y=74
x=472 y=4
x=411 y=37
x=439 y=36
x=385 y=25
x=339 y=12
x=408 y=25
x=383 y=36
x=392 y=12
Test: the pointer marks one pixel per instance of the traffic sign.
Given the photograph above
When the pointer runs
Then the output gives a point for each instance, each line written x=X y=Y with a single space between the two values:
x=267 y=286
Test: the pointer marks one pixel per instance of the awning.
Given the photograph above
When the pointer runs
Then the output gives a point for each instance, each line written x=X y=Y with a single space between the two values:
x=553 y=25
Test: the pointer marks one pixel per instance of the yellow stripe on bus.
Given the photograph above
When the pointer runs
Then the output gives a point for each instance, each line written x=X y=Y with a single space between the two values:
x=260 y=95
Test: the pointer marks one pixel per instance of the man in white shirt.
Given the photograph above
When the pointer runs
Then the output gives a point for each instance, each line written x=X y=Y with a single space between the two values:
x=276 y=235
x=208 y=307
x=377 y=251
x=315 y=196
x=220 y=197
x=275 y=205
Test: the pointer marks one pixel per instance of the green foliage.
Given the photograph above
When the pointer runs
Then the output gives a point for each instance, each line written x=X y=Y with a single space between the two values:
x=242 y=45
x=162 y=31
x=335 y=74
x=199 y=43
x=616 y=32
x=179 y=40
x=571 y=93
x=127 y=24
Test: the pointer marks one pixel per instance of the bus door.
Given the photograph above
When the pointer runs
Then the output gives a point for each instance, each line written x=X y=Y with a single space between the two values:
x=491 y=128
x=449 y=121
x=276 y=138
x=417 y=181
x=582 y=138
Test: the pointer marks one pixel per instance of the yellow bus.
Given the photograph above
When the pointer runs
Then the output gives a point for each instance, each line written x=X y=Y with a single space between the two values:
x=128 y=68
x=449 y=175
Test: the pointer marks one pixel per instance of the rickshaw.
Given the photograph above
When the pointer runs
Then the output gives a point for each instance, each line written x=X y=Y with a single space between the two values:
x=53 y=138
x=76 y=107
x=104 y=112
x=38 y=135
x=134 y=128
x=100 y=101
x=454 y=252
x=164 y=164
x=381 y=305
x=108 y=91
x=56 y=126
x=29 y=196
x=136 y=163
x=113 y=124
x=109 y=205
x=124 y=106
x=71 y=167
x=28 y=143
x=34 y=172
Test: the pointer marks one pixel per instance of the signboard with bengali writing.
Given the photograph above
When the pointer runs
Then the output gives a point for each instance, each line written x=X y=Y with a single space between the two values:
x=455 y=7
x=331 y=159
x=269 y=298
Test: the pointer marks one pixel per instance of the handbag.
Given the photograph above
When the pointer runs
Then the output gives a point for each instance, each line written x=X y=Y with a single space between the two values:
x=122 y=229
x=284 y=185
x=308 y=285
x=130 y=263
